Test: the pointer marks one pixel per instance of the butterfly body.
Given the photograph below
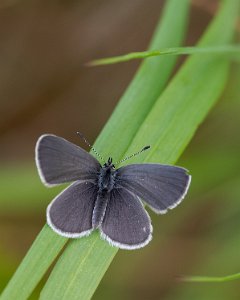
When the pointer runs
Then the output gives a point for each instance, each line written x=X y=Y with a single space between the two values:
x=103 y=197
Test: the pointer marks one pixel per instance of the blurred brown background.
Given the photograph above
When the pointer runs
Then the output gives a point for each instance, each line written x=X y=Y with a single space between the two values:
x=45 y=88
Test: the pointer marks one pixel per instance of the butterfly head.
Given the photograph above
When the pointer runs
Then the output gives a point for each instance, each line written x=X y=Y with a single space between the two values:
x=109 y=164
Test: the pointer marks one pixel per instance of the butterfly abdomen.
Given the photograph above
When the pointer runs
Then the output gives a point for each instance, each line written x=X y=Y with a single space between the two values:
x=99 y=209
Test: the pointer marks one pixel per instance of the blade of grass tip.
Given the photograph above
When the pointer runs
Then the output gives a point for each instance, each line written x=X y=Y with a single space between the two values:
x=217 y=260
x=119 y=128
x=44 y=250
x=209 y=279
x=224 y=258
x=224 y=49
x=83 y=280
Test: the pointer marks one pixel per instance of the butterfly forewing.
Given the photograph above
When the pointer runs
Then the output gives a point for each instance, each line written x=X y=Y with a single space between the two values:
x=60 y=161
x=126 y=224
x=70 y=213
x=162 y=187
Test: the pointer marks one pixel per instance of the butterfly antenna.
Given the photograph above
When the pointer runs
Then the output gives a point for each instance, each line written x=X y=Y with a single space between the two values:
x=135 y=154
x=89 y=145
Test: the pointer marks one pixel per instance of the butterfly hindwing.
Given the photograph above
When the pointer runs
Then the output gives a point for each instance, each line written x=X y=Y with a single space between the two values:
x=161 y=187
x=60 y=161
x=70 y=213
x=126 y=224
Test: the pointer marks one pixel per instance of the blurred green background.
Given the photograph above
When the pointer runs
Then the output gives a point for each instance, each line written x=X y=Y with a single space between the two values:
x=45 y=88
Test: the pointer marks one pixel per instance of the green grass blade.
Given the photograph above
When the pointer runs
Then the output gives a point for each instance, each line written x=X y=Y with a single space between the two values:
x=82 y=272
x=44 y=250
x=227 y=49
x=178 y=113
x=210 y=279
x=132 y=105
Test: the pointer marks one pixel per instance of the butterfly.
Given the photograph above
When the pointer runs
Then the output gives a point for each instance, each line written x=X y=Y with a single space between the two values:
x=103 y=197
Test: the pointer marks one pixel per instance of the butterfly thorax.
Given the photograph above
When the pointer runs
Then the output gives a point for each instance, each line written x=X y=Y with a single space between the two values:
x=106 y=180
